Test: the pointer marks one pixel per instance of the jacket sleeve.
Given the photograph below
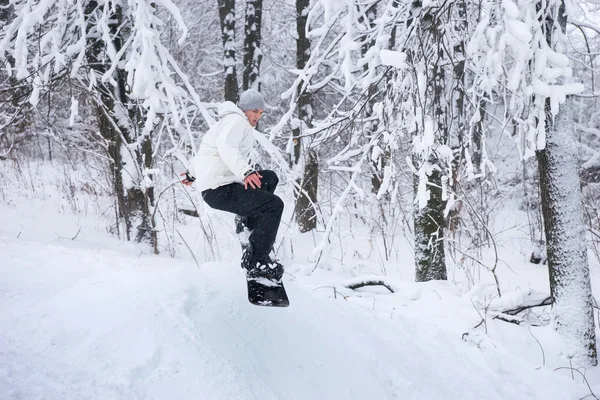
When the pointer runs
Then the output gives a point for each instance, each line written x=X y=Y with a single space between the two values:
x=228 y=143
x=192 y=166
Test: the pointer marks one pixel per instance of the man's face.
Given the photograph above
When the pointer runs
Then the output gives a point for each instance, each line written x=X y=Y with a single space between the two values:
x=254 y=115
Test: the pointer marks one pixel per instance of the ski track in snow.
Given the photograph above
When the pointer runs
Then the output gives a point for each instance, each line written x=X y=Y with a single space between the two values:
x=97 y=324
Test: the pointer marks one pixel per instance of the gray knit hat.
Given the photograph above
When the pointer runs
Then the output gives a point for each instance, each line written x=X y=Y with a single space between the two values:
x=251 y=100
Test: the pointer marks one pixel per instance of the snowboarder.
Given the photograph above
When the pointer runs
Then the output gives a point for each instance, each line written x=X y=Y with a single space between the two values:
x=224 y=172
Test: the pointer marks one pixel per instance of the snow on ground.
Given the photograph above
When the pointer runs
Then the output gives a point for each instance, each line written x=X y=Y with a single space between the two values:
x=84 y=315
x=91 y=319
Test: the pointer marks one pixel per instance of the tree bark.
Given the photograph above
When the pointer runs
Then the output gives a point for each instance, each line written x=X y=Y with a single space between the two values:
x=252 y=40
x=227 y=19
x=429 y=222
x=564 y=226
x=306 y=197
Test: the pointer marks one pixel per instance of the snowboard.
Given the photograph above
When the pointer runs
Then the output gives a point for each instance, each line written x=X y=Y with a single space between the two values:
x=267 y=293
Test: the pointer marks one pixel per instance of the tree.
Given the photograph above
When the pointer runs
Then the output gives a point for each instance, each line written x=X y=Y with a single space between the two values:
x=227 y=19
x=116 y=53
x=129 y=147
x=14 y=94
x=523 y=59
x=564 y=226
x=306 y=189
x=379 y=159
x=252 y=53
x=432 y=156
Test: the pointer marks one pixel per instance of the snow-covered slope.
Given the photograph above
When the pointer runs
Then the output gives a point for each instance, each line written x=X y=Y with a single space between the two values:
x=84 y=323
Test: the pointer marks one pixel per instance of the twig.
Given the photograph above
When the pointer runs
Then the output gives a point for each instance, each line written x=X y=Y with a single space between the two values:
x=541 y=348
x=77 y=234
x=584 y=379
x=335 y=292
x=483 y=317
x=60 y=237
x=191 y=252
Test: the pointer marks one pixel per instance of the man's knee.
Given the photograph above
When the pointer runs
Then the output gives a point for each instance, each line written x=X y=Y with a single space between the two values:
x=278 y=204
x=269 y=178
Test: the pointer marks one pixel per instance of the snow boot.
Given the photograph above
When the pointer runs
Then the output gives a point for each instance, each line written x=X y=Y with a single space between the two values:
x=265 y=268
x=242 y=230
x=269 y=269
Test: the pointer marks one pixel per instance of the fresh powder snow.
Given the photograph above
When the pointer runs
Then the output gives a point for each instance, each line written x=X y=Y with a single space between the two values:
x=90 y=317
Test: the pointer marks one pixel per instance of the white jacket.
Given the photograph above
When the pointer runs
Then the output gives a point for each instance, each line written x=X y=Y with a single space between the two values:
x=224 y=154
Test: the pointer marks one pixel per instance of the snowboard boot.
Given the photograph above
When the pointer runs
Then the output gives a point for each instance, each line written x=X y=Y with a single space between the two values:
x=247 y=257
x=269 y=269
x=242 y=230
x=264 y=268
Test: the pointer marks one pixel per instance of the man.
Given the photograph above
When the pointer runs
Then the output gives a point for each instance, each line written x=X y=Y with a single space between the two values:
x=223 y=171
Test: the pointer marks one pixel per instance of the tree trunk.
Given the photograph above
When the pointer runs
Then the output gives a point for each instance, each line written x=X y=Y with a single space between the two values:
x=306 y=215
x=14 y=93
x=227 y=18
x=429 y=221
x=252 y=53
x=380 y=159
x=564 y=226
x=562 y=208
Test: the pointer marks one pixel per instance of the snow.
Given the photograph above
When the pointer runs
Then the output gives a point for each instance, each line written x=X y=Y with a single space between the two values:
x=86 y=315
x=90 y=316
x=100 y=324
x=393 y=58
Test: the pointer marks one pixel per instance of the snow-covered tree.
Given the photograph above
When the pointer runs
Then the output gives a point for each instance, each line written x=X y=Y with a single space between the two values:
x=114 y=51
x=304 y=156
x=518 y=52
x=570 y=283
x=227 y=18
x=252 y=40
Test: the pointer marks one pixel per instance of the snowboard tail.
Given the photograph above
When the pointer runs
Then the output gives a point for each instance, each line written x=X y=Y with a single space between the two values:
x=267 y=293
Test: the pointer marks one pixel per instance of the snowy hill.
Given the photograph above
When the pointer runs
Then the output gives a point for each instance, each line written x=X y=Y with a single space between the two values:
x=89 y=323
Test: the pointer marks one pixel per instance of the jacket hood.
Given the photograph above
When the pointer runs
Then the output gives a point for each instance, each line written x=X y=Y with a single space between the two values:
x=228 y=108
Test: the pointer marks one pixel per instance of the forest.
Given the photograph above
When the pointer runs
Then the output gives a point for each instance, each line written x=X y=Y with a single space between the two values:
x=405 y=125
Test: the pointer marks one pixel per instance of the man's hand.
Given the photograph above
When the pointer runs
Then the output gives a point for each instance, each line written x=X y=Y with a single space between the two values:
x=188 y=180
x=253 y=180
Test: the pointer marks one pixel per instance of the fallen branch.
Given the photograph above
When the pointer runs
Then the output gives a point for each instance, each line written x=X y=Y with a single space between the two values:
x=506 y=312
x=529 y=304
x=358 y=284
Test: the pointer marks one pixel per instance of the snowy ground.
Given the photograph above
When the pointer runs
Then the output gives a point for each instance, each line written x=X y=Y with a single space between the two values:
x=86 y=316
x=86 y=319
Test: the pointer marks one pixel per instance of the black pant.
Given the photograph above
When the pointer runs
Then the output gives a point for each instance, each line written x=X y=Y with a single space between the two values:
x=261 y=207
